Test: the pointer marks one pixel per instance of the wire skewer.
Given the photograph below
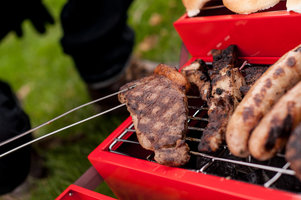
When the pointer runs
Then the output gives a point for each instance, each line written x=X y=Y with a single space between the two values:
x=62 y=115
x=59 y=130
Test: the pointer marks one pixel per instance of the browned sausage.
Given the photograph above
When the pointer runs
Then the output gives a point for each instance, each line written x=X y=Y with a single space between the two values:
x=293 y=151
x=272 y=132
x=279 y=78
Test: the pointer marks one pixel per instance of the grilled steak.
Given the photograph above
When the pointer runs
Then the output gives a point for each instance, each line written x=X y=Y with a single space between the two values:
x=158 y=106
x=226 y=81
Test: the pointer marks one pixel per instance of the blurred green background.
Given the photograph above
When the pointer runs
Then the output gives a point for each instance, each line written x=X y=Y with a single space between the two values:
x=47 y=84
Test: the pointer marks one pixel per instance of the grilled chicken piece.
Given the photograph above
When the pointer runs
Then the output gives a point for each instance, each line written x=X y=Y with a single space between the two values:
x=251 y=74
x=158 y=106
x=197 y=74
x=226 y=81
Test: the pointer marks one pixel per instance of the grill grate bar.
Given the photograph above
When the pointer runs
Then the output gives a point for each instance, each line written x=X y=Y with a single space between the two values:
x=198 y=108
x=128 y=141
x=195 y=128
x=211 y=159
x=189 y=128
x=276 y=177
x=198 y=118
x=265 y=167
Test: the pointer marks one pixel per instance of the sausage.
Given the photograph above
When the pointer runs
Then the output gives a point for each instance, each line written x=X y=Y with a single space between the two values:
x=272 y=132
x=279 y=78
x=293 y=151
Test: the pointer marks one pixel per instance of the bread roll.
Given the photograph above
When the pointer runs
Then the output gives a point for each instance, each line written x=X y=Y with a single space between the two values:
x=293 y=5
x=193 y=7
x=249 y=6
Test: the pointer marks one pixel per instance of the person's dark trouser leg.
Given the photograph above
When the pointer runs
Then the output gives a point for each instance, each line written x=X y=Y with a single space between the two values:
x=97 y=37
x=14 y=167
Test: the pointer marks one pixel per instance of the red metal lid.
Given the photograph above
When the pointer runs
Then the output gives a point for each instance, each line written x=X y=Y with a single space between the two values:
x=266 y=35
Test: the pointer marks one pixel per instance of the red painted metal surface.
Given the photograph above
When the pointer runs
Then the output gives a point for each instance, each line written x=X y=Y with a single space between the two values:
x=131 y=178
x=74 y=192
x=266 y=35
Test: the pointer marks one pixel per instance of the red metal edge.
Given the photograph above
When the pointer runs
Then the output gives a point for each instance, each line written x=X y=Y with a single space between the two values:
x=264 y=34
x=136 y=175
x=74 y=192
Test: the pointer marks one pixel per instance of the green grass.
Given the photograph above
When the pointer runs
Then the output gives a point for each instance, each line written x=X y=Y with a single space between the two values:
x=48 y=84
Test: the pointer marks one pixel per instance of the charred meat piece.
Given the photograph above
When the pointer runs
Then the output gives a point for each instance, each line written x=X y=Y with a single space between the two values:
x=293 y=151
x=251 y=74
x=197 y=74
x=226 y=81
x=158 y=106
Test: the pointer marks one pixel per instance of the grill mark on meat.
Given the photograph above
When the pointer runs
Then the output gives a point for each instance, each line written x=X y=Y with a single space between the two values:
x=281 y=128
x=291 y=62
x=268 y=83
x=278 y=72
x=228 y=73
x=293 y=150
x=258 y=99
x=279 y=131
x=247 y=113
x=159 y=114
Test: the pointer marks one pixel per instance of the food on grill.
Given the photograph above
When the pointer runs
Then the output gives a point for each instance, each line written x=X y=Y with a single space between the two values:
x=197 y=74
x=272 y=132
x=226 y=81
x=293 y=5
x=251 y=74
x=293 y=151
x=193 y=7
x=158 y=106
x=249 y=6
x=279 y=78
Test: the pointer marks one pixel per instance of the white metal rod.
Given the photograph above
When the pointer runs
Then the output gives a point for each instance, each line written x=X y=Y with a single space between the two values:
x=61 y=129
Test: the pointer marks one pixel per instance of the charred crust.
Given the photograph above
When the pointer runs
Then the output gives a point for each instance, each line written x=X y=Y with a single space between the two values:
x=263 y=91
x=203 y=77
x=291 y=106
x=247 y=113
x=228 y=73
x=278 y=72
x=293 y=150
x=242 y=152
x=230 y=99
x=291 y=61
x=219 y=91
x=257 y=99
x=268 y=83
x=278 y=130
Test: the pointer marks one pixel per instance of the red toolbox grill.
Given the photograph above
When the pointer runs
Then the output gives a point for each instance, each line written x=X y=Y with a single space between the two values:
x=127 y=144
x=131 y=172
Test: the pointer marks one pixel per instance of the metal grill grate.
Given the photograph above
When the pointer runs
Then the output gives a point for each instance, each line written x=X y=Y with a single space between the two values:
x=127 y=144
